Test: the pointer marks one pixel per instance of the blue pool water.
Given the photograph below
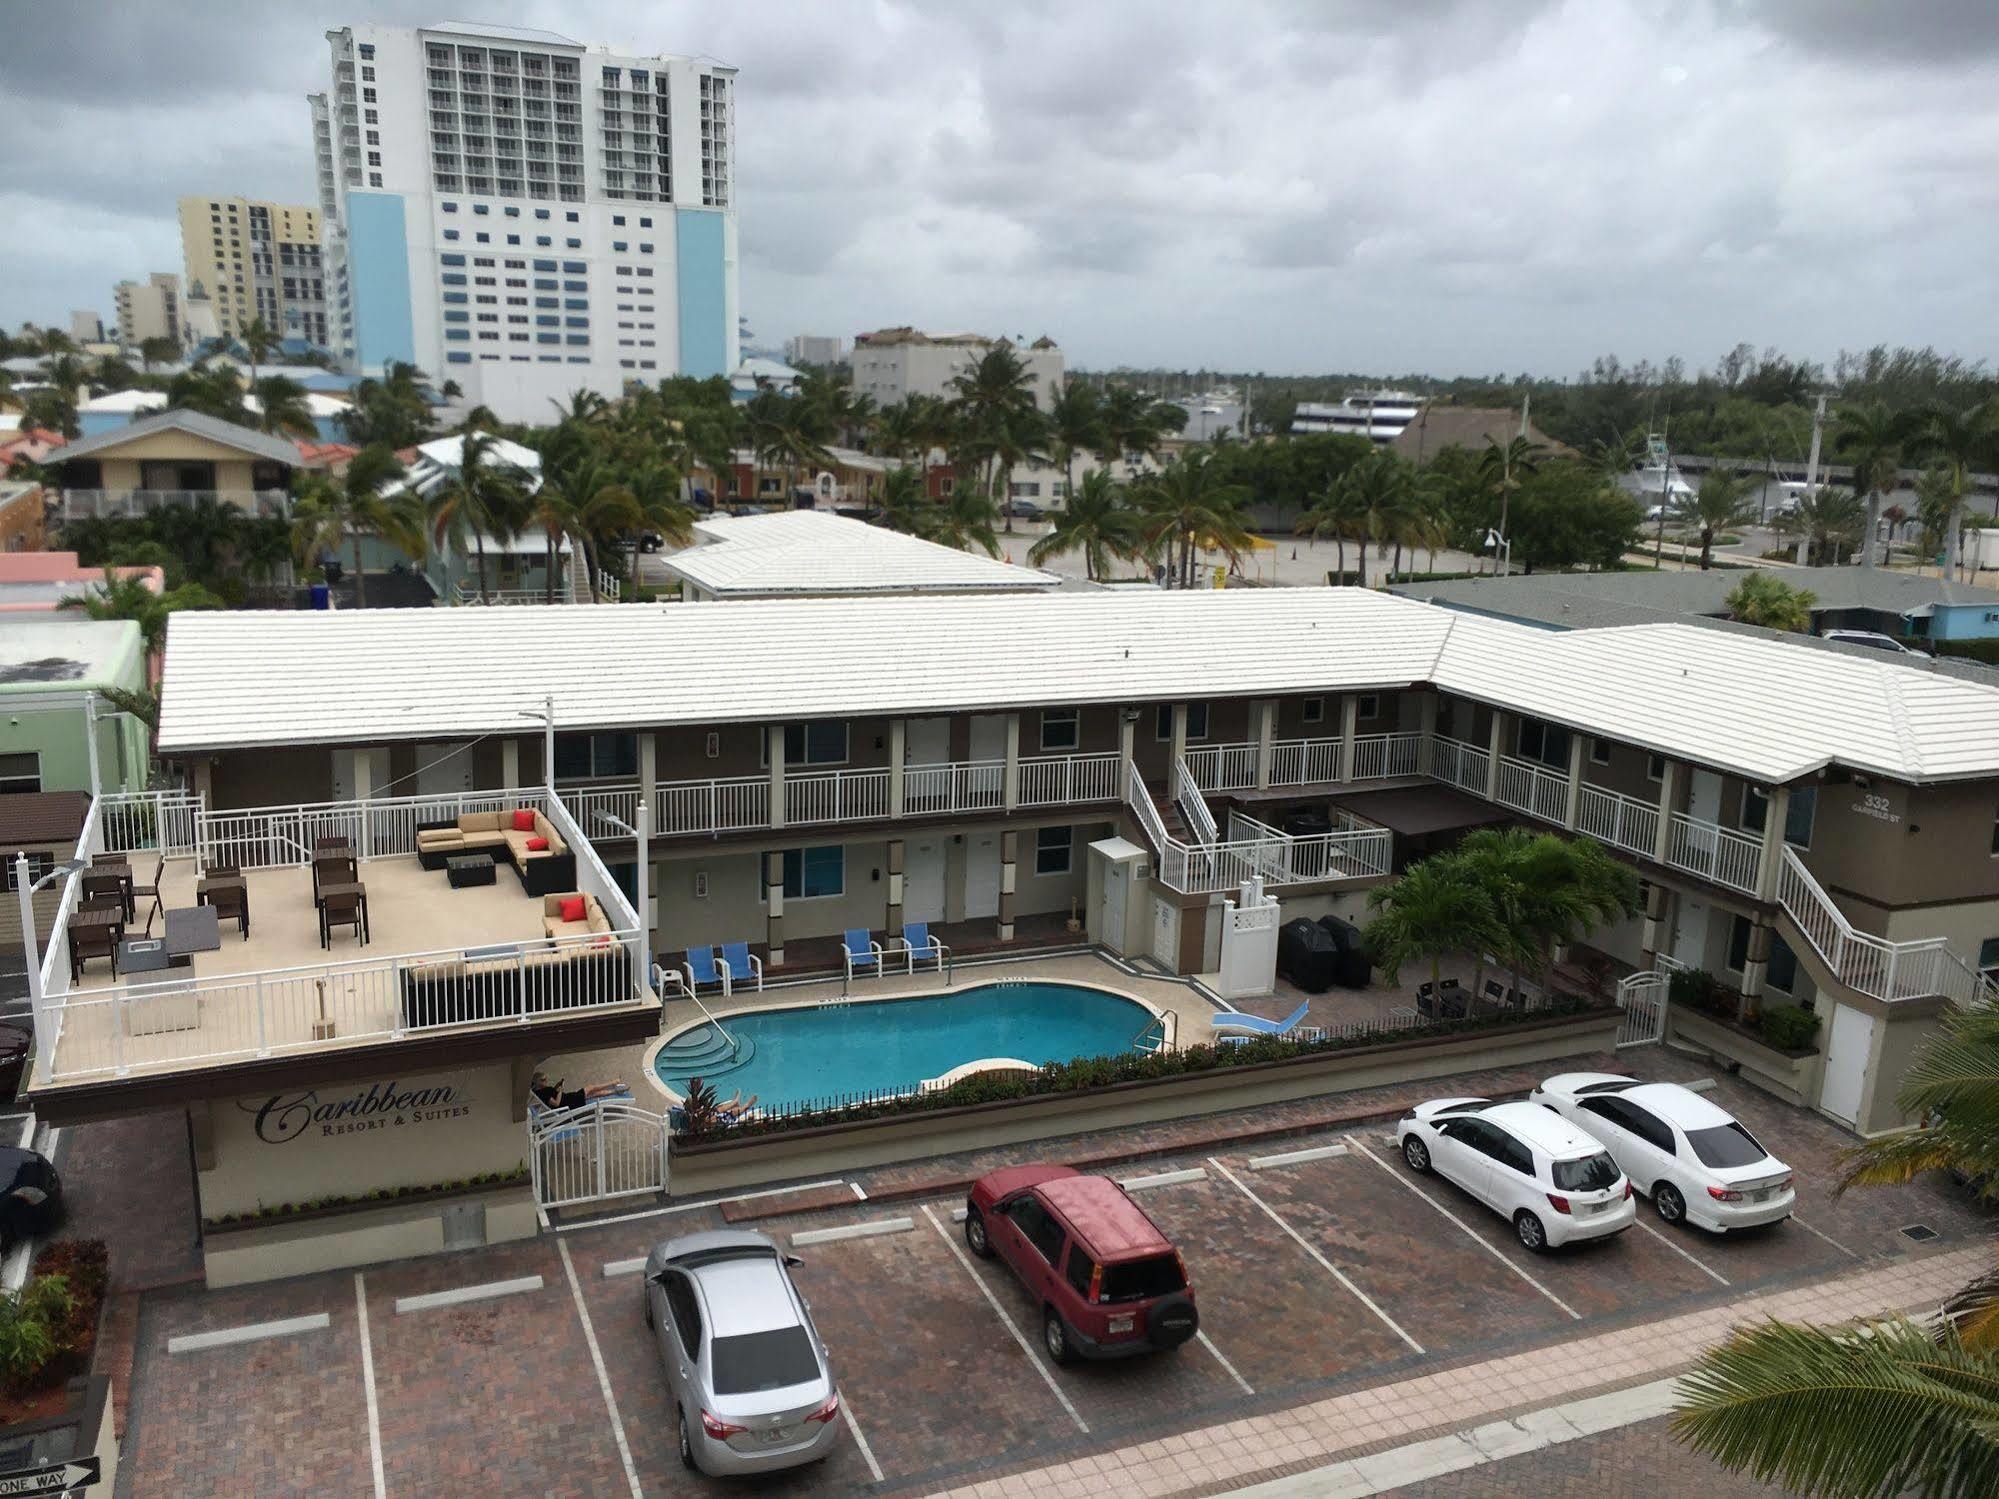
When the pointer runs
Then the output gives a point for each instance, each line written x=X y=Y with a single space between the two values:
x=792 y=1056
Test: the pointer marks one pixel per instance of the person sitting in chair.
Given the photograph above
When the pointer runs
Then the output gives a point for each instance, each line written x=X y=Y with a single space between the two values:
x=737 y=1108
x=552 y=1096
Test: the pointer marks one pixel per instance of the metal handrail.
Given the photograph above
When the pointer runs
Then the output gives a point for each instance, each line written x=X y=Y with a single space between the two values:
x=659 y=975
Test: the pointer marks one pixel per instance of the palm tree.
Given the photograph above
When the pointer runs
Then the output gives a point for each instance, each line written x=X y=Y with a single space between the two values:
x=1505 y=468
x=1953 y=438
x=993 y=400
x=583 y=408
x=1548 y=891
x=1891 y=1408
x=966 y=520
x=1380 y=495
x=258 y=341
x=1135 y=424
x=1188 y=505
x=1871 y=438
x=157 y=350
x=583 y=502
x=483 y=499
x=1431 y=910
x=333 y=510
x=282 y=408
x=212 y=390
x=1828 y=520
x=1721 y=502
x=1095 y=521
x=1335 y=515
x=1075 y=425
x=1763 y=598
x=904 y=506
x=129 y=597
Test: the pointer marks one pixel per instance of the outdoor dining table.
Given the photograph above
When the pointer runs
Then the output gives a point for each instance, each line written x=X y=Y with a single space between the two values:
x=189 y=930
x=84 y=917
x=210 y=882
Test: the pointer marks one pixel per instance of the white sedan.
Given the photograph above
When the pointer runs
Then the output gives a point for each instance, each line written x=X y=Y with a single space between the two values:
x=1696 y=1163
x=1549 y=1179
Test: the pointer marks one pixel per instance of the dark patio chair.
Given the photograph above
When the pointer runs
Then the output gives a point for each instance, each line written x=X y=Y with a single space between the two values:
x=107 y=887
x=343 y=908
x=331 y=869
x=230 y=902
x=90 y=942
x=151 y=892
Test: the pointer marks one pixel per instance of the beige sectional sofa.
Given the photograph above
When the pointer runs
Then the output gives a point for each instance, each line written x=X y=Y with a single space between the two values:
x=494 y=834
x=552 y=924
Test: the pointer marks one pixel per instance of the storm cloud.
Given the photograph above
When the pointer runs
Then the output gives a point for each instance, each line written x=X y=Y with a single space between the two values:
x=1283 y=185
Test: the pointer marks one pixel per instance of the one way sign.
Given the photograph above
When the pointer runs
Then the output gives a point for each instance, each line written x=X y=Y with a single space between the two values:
x=54 y=1478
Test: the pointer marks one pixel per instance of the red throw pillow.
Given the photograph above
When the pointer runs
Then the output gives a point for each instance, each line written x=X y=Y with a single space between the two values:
x=524 y=821
x=537 y=845
x=573 y=908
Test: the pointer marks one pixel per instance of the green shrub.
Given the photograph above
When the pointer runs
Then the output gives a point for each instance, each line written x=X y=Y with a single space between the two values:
x=1697 y=989
x=1789 y=1027
x=32 y=1321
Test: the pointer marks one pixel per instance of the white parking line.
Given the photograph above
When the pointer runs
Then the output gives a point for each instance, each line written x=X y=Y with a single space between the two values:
x=861 y=1442
x=597 y=1363
x=1815 y=1233
x=1468 y=1230
x=623 y=1267
x=462 y=1294
x=1163 y=1179
x=1208 y=1343
x=1312 y=1249
x=1701 y=1265
x=860 y=1192
x=252 y=1332
x=999 y=1311
x=706 y=1202
x=869 y=1230
x=368 y=1387
x=1296 y=1157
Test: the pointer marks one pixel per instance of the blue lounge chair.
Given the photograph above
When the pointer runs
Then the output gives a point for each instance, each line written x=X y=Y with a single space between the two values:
x=918 y=943
x=861 y=951
x=1256 y=1025
x=702 y=969
x=742 y=964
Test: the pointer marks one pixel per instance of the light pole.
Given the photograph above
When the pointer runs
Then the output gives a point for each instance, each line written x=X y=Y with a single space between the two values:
x=31 y=938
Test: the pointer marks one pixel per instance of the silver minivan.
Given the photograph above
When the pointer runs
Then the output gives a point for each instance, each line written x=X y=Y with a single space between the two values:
x=747 y=1371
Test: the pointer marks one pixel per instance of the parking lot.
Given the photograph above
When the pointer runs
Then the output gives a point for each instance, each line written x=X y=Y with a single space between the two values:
x=1334 y=1270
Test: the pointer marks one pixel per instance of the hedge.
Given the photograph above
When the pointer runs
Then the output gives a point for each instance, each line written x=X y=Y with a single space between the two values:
x=1085 y=1074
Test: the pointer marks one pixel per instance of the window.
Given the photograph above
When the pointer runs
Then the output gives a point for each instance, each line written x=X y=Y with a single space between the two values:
x=686 y=1309
x=583 y=756
x=1798 y=813
x=1544 y=743
x=1597 y=1173
x=1726 y=1145
x=813 y=873
x=1511 y=1152
x=1313 y=710
x=1369 y=707
x=1655 y=767
x=1037 y=1226
x=1197 y=722
x=1599 y=752
x=618 y=219
x=451 y=234
x=1079 y=1270
x=20 y=772
x=542 y=213
x=1988 y=958
x=1061 y=729
x=1054 y=849
x=820 y=743
x=451 y=208
x=40 y=862
x=618 y=244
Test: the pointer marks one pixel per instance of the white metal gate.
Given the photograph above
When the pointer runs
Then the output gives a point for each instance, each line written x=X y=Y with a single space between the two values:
x=1642 y=998
x=596 y=1152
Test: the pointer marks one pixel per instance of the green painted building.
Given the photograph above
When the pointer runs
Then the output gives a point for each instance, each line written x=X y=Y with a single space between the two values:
x=47 y=666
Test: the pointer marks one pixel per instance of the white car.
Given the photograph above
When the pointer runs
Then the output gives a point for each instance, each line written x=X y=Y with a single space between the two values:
x=1691 y=1158
x=1552 y=1181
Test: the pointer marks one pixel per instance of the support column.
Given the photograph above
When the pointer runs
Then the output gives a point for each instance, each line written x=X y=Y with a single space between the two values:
x=1778 y=810
x=204 y=781
x=774 y=923
x=510 y=764
x=1655 y=913
x=1349 y=724
x=1427 y=724
x=1009 y=850
x=1179 y=732
x=1669 y=789
x=1756 y=965
x=1127 y=733
x=1495 y=747
x=774 y=737
x=642 y=825
x=1010 y=777
x=90 y=744
x=898 y=748
x=1573 y=807
x=1264 y=711
x=893 y=923
x=364 y=788
x=649 y=770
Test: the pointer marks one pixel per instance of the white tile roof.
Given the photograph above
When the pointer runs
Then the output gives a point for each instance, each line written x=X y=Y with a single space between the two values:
x=813 y=552
x=1757 y=708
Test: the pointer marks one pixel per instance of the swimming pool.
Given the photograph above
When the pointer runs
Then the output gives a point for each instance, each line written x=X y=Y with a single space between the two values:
x=815 y=1052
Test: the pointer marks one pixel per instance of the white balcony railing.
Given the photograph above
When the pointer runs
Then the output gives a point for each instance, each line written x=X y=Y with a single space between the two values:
x=835 y=796
x=956 y=786
x=1380 y=757
x=1714 y=853
x=1458 y=764
x=731 y=804
x=1304 y=762
x=585 y=803
x=468 y=593
x=1528 y=788
x=1873 y=965
x=1222 y=767
x=1621 y=821
x=1063 y=780
x=104 y=504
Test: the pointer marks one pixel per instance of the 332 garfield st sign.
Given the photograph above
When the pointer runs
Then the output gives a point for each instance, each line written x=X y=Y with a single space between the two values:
x=389 y=1105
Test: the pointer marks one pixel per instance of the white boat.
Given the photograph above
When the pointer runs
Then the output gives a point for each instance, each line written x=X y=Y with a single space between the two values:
x=1378 y=414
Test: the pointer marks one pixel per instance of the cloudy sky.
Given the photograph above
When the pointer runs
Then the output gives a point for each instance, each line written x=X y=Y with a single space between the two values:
x=1452 y=186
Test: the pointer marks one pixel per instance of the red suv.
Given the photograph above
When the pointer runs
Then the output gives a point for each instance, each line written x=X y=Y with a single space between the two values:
x=1108 y=1281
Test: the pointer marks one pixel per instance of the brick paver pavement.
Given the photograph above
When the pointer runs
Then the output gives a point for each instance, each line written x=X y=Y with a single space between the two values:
x=1623 y=1464
x=1218 y=1459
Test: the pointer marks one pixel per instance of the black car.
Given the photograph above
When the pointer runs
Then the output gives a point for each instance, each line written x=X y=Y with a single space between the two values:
x=1024 y=510
x=32 y=1204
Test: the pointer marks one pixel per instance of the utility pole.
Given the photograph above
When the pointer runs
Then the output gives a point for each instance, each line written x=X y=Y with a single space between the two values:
x=1812 y=474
